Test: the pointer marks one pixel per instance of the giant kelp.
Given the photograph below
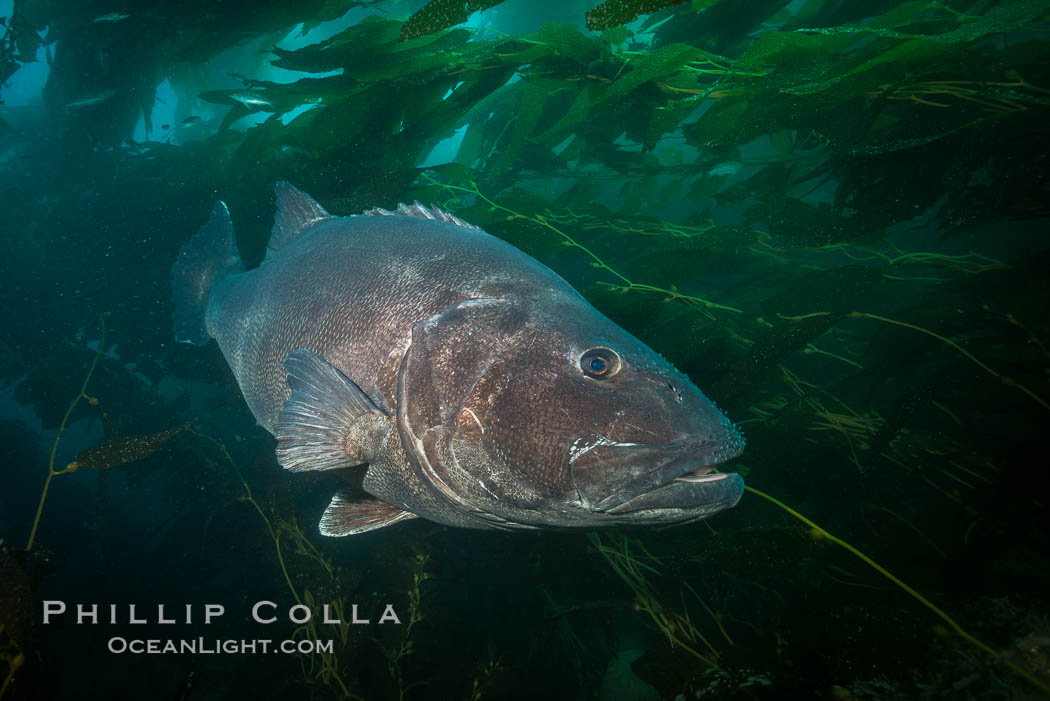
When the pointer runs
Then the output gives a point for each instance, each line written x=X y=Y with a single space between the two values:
x=15 y=616
x=816 y=209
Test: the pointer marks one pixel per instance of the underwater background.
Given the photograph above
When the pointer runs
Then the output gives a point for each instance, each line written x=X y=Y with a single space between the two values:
x=831 y=215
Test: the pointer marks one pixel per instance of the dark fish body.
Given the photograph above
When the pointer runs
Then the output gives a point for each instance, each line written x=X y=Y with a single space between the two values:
x=479 y=388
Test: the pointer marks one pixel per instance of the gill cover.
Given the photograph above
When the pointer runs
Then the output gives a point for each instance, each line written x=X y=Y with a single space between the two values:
x=445 y=394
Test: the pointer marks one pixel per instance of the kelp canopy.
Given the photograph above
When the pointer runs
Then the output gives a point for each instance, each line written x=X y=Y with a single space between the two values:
x=831 y=214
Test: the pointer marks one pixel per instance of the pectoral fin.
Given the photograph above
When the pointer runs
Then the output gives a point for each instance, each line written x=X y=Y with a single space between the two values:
x=348 y=516
x=328 y=422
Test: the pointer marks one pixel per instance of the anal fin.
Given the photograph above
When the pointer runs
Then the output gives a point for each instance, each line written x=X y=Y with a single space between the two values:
x=349 y=516
x=328 y=422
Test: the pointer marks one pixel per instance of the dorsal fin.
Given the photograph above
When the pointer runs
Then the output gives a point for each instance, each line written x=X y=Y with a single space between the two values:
x=295 y=212
x=419 y=210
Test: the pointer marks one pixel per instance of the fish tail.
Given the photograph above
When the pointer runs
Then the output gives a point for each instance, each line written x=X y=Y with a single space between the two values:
x=210 y=256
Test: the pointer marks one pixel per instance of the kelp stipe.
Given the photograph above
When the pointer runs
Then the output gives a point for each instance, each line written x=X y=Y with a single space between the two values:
x=10 y=651
x=330 y=669
x=819 y=532
x=12 y=656
x=72 y=467
x=327 y=671
x=677 y=627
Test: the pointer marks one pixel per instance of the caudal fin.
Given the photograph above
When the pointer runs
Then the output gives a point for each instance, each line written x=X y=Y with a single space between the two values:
x=210 y=256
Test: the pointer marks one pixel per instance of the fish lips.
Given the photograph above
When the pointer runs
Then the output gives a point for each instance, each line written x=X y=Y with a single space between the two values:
x=660 y=477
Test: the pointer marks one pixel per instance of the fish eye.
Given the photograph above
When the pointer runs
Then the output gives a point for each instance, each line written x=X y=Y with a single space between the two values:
x=600 y=363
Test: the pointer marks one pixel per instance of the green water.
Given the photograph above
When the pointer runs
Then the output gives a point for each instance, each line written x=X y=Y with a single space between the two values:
x=832 y=216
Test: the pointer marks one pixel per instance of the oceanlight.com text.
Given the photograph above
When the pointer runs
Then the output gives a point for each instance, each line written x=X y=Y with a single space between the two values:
x=216 y=646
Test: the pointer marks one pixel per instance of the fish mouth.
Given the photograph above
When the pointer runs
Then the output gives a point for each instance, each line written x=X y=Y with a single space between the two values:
x=669 y=482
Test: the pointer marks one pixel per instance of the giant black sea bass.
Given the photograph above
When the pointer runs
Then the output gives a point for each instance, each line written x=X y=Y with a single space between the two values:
x=474 y=384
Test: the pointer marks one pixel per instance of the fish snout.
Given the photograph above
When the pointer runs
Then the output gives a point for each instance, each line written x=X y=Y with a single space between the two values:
x=615 y=477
